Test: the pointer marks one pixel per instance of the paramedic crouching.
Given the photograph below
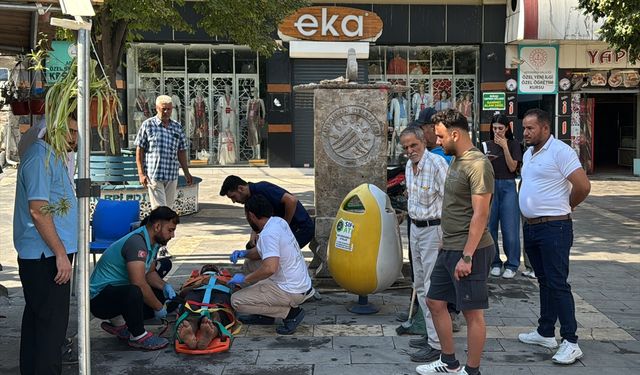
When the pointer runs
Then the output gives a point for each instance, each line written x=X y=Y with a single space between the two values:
x=125 y=287
x=275 y=268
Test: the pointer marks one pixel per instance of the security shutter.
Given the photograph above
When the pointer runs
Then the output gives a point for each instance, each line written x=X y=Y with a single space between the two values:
x=308 y=71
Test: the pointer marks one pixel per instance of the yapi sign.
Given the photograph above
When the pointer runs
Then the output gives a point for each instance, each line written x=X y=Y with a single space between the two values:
x=331 y=24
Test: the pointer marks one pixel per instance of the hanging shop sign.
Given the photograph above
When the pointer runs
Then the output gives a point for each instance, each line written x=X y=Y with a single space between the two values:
x=538 y=69
x=59 y=59
x=331 y=24
x=493 y=101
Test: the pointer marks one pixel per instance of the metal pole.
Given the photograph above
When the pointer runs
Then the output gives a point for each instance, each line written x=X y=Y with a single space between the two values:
x=84 y=134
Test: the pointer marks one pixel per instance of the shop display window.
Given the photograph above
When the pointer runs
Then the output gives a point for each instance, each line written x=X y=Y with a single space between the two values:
x=149 y=60
x=465 y=61
x=442 y=60
x=246 y=62
x=173 y=59
x=439 y=77
x=210 y=87
x=222 y=61
x=198 y=60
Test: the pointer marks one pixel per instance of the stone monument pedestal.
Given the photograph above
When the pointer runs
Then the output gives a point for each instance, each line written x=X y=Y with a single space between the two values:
x=350 y=122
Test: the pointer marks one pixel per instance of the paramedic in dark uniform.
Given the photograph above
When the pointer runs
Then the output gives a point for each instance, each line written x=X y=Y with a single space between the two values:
x=125 y=287
x=285 y=205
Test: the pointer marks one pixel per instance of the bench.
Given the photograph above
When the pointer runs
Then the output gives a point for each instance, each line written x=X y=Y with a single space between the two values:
x=113 y=170
x=117 y=177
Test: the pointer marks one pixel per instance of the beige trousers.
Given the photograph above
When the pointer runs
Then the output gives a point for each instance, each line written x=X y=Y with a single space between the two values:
x=162 y=193
x=265 y=298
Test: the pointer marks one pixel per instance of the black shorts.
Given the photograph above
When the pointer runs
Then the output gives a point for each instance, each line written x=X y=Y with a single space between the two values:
x=469 y=293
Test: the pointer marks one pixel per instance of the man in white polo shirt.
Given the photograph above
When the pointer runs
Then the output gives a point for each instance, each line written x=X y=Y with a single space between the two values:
x=553 y=184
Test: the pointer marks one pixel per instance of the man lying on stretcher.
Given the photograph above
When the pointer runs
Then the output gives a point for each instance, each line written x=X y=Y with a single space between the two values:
x=202 y=324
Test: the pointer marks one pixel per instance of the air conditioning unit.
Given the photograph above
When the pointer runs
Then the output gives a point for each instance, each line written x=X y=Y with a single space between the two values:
x=514 y=29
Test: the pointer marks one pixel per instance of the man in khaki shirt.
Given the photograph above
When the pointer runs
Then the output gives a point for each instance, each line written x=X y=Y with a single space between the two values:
x=461 y=270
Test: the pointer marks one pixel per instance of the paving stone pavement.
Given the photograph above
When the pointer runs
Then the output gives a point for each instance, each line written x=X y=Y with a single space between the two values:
x=604 y=275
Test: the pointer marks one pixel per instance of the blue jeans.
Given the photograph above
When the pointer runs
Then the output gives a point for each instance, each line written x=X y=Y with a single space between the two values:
x=548 y=245
x=506 y=212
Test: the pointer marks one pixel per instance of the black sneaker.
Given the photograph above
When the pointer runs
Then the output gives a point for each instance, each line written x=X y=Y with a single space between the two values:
x=256 y=319
x=289 y=326
x=427 y=354
x=421 y=343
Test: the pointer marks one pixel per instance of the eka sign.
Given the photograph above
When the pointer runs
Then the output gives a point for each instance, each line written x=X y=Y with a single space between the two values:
x=331 y=24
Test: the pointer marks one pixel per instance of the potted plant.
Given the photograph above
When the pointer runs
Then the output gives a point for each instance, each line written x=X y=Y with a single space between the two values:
x=62 y=100
x=37 y=90
x=17 y=94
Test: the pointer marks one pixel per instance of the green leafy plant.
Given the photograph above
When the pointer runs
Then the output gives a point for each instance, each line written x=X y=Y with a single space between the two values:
x=62 y=101
x=37 y=58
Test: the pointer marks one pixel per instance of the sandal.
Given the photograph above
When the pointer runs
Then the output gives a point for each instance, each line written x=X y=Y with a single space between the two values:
x=289 y=326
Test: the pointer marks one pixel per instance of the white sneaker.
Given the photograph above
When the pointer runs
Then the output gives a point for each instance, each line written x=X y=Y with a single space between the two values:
x=496 y=271
x=508 y=274
x=438 y=367
x=568 y=353
x=529 y=273
x=310 y=295
x=535 y=338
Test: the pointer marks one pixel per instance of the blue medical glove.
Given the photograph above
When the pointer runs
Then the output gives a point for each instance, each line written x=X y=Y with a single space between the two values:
x=237 y=254
x=160 y=314
x=238 y=278
x=169 y=292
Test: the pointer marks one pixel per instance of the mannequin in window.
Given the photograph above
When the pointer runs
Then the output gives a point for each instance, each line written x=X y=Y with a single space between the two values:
x=397 y=65
x=399 y=115
x=420 y=101
x=200 y=124
x=228 y=134
x=465 y=105
x=255 y=120
x=444 y=102
x=248 y=68
x=177 y=104
x=143 y=110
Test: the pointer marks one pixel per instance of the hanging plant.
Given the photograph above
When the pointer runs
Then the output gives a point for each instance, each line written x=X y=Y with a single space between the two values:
x=37 y=90
x=62 y=101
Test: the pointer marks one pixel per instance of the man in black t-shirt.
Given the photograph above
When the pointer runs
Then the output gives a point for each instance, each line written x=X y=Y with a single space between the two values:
x=285 y=205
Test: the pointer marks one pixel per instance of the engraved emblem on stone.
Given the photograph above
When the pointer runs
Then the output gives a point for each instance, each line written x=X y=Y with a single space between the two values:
x=351 y=136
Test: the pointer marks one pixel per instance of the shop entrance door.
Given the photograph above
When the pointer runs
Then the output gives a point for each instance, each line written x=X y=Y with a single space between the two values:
x=614 y=132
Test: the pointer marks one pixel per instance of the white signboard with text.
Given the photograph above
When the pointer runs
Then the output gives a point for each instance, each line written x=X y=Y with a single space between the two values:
x=538 y=69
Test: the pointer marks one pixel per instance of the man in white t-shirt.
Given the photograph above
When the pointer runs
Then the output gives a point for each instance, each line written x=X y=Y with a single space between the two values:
x=281 y=281
x=553 y=185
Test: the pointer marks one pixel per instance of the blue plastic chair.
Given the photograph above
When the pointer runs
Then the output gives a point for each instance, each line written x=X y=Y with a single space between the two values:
x=112 y=220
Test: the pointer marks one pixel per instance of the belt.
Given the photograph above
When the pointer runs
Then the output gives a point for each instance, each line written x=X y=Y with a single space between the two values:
x=426 y=223
x=308 y=291
x=545 y=219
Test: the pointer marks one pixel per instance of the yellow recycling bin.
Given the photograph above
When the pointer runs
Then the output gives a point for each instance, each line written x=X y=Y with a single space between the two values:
x=364 y=251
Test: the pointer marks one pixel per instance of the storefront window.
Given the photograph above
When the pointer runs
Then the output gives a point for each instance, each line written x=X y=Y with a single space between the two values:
x=149 y=60
x=173 y=59
x=466 y=61
x=210 y=88
x=222 y=61
x=376 y=64
x=439 y=77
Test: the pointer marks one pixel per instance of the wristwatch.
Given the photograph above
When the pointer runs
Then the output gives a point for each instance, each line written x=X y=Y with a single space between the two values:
x=466 y=258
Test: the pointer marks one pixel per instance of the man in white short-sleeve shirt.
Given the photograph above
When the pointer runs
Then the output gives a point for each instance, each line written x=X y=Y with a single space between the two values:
x=553 y=184
x=281 y=281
